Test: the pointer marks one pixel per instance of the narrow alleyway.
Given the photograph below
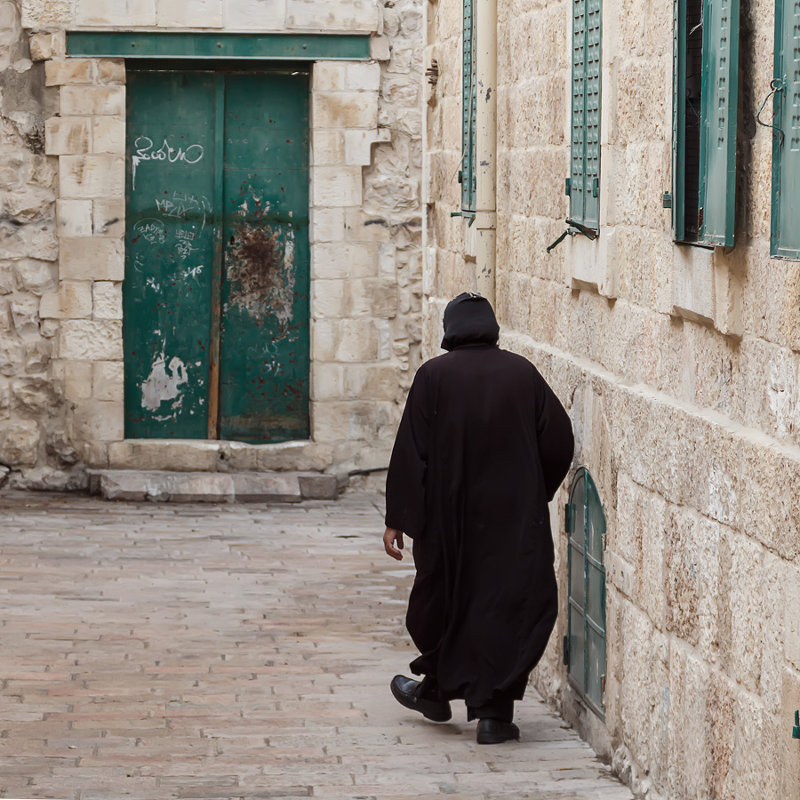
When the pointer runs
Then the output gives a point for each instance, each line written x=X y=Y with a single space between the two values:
x=233 y=652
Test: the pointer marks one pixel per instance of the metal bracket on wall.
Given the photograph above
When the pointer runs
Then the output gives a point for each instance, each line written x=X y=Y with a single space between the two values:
x=573 y=228
x=775 y=85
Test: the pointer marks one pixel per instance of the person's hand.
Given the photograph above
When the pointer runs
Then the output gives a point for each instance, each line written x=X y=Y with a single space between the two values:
x=391 y=537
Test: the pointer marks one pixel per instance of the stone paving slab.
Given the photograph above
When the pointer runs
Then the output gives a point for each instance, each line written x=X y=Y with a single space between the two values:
x=160 y=652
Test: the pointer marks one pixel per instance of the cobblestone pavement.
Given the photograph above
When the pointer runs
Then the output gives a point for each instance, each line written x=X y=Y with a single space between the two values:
x=233 y=652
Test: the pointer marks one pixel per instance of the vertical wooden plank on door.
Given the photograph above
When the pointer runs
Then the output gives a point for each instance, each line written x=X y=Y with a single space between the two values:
x=168 y=253
x=216 y=271
x=264 y=347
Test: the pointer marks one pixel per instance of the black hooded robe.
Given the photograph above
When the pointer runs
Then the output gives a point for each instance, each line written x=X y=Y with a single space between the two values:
x=481 y=449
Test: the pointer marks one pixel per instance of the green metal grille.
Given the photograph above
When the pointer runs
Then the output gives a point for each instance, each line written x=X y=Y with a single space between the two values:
x=785 y=242
x=468 y=111
x=584 y=179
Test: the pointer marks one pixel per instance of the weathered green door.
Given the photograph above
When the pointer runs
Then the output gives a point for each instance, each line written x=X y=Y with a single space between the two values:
x=216 y=307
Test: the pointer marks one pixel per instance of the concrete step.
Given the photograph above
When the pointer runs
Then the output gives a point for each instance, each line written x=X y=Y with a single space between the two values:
x=214 y=487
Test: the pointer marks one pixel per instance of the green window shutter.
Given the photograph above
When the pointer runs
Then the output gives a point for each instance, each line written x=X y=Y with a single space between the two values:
x=678 y=117
x=468 y=110
x=584 y=177
x=785 y=240
x=591 y=212
x=718 y=121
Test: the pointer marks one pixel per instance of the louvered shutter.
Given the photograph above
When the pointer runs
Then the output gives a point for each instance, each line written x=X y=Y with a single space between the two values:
x=786 y=144
x=718 y=113
x=468 y=110
x=584 y=177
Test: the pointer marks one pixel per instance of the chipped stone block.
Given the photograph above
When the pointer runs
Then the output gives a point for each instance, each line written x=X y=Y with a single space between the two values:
x=91 y=340
x=92 y=176
x=307 y=455
x=72 y=70
x=25 y=315
x=7 y=283
x=28 y=204
x=107 y=297
x=74 y=218
x=111 y=70
x=180 y=487
x=263 y=488
x=318 y=487
x=35 y=395
x=93 y=100
x=19 y=443
x=37 y=355
x=47 y=45
x=237 y=456
x=92 y=258
x=34 y=276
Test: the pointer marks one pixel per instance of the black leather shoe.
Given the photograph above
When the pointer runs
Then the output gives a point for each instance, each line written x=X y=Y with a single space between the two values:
x=407 y=692
x=494 y=731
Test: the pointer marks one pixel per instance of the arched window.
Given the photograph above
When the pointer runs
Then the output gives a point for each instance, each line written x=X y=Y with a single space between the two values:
x=585 y=643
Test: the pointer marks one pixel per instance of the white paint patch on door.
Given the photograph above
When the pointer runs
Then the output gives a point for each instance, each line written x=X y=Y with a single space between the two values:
x=164 y=383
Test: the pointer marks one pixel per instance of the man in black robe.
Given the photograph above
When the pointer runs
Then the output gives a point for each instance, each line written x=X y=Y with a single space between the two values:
x=481 y=449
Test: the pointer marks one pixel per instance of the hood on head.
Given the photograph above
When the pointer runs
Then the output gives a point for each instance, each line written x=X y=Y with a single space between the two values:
x=469 y=319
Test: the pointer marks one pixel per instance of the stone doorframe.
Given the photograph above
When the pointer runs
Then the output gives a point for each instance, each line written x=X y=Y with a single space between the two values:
x=88 y=137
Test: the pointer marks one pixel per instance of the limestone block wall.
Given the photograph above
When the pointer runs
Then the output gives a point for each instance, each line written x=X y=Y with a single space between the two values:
x=365 y=236
x=33 y=435
x=679 y=367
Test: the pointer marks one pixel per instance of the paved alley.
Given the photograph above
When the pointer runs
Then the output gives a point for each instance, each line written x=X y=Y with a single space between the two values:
x=157 y=651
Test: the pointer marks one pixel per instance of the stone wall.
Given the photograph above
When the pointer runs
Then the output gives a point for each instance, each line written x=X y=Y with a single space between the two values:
x=365 y=236
x=679 y=367
x=33 y=438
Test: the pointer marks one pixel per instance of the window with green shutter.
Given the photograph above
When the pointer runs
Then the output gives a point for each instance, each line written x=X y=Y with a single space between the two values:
x=705 y=92
x=466 y=174
x=785 y=241
x=583 y=183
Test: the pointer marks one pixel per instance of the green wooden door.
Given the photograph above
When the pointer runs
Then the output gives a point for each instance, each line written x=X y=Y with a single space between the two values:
x=264 y=350
x=216 y=309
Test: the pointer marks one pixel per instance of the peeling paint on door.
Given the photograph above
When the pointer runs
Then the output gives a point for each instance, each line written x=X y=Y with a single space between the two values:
x=163 y=385
x=260 y=269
